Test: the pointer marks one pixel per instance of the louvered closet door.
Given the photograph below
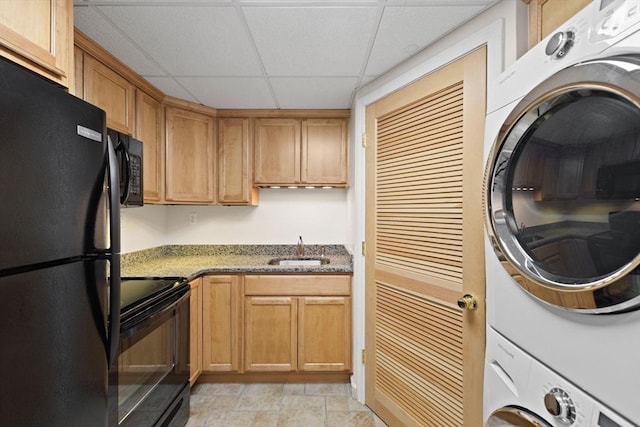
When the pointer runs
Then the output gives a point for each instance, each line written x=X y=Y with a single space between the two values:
x=424 y=235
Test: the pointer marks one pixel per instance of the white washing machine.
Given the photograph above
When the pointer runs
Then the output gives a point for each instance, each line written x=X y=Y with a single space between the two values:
x=525 y=393
x=562 y=193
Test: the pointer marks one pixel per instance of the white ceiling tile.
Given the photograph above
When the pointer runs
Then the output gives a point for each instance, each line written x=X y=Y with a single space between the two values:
x=366 y=80
x=311 y=41
x=230 y=92
x=328 y=92
x=446 y=3
x=406 y=30
x=170 y=87
x=93 y=24
x=240 y=53
x=137 y=2
x=189 y=40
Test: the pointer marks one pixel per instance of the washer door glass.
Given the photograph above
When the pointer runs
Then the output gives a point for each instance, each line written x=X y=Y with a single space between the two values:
x=515 y=417
x=564 y=187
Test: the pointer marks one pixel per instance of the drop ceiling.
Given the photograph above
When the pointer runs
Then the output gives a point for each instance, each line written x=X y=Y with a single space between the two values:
x=267 y=54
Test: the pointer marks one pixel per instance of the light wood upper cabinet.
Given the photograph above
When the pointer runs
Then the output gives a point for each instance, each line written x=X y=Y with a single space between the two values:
x=221 y=327
x=189 y=157
x=301 y=152
x=235 y=163
x=149 y=129
x=195 y=330
x=324 y=151
x=277 y=151
x=108 y=90
x=38 y=34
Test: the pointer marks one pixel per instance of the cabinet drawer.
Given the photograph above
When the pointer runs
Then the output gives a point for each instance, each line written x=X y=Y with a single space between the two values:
x=297 y=284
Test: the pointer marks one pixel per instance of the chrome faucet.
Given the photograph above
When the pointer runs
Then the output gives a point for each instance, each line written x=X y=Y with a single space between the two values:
x=300 y=247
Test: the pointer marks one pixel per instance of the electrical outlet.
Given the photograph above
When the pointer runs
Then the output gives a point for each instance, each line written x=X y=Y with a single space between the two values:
x=193 y=218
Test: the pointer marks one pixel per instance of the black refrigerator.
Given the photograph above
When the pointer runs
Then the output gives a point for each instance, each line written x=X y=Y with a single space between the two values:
x=59 y=255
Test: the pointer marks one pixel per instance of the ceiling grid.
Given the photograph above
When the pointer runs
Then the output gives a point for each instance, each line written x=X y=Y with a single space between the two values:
x=235 y=54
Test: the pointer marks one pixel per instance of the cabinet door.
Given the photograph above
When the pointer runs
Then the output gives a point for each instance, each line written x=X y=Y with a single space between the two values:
x=324 y=151
x=277 y=151
x=570 y=174
x=550 y=175
x=189 y=157
x=38 y=34
x=108 y=90
x=235 y=163
x=324 y=334
x=195 y=330
x=149 y=130
x=221 y=313
x=270 y=334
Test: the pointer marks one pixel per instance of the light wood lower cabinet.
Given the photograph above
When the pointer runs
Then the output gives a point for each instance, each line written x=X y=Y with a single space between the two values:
x=306 y=331
x=221 y=323
x=252 y=327
x=270 y=334
x=195 y=330
x=324 y=333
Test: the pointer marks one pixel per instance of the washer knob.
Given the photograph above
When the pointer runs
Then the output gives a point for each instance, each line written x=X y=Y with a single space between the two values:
x=559 y=44
x=560 y=405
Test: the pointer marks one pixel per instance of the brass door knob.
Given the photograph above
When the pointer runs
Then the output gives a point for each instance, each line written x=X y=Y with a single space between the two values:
x=468 y=302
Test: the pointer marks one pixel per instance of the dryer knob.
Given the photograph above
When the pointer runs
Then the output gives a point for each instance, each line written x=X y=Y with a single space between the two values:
x=559 y=44
x=560 y=405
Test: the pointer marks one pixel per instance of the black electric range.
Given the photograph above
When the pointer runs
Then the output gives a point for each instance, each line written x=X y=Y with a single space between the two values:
x=149 y=384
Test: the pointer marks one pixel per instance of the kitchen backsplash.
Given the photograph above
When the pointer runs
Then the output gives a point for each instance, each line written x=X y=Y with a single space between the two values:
x=319 y=216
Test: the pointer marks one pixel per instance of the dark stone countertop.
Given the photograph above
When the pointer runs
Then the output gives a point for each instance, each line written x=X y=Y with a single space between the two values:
x=194 y=260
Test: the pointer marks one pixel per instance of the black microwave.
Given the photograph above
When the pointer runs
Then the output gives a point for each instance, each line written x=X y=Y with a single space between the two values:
x=129 y=151
x=621 y=181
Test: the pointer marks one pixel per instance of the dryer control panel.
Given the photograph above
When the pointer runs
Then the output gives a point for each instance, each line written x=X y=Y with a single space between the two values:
x=514 y=379
x=614 y=17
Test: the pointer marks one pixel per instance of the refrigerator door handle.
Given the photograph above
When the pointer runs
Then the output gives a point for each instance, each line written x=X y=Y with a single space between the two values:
x=113 y=329
x=122 y=147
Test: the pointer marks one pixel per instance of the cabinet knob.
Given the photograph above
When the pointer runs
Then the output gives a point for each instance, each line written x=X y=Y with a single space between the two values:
x=468 y=302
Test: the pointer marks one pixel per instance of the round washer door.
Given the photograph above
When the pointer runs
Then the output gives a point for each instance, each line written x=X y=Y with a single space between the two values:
x=515 y=417
x=563 y=188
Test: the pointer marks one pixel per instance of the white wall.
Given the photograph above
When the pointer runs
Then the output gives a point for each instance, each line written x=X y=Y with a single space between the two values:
x=318 y=215
x=143 y=227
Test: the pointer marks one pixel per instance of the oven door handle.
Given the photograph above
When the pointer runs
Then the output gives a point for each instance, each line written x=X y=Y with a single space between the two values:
x=151 y=319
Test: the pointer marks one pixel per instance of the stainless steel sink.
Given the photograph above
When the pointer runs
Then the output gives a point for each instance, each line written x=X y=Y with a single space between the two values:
x=299 y=261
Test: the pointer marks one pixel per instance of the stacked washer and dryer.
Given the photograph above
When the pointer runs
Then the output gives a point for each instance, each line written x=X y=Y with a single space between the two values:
x=562 y=211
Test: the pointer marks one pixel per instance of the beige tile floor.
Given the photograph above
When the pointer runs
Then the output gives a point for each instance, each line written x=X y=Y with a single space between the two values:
x=278 y=405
